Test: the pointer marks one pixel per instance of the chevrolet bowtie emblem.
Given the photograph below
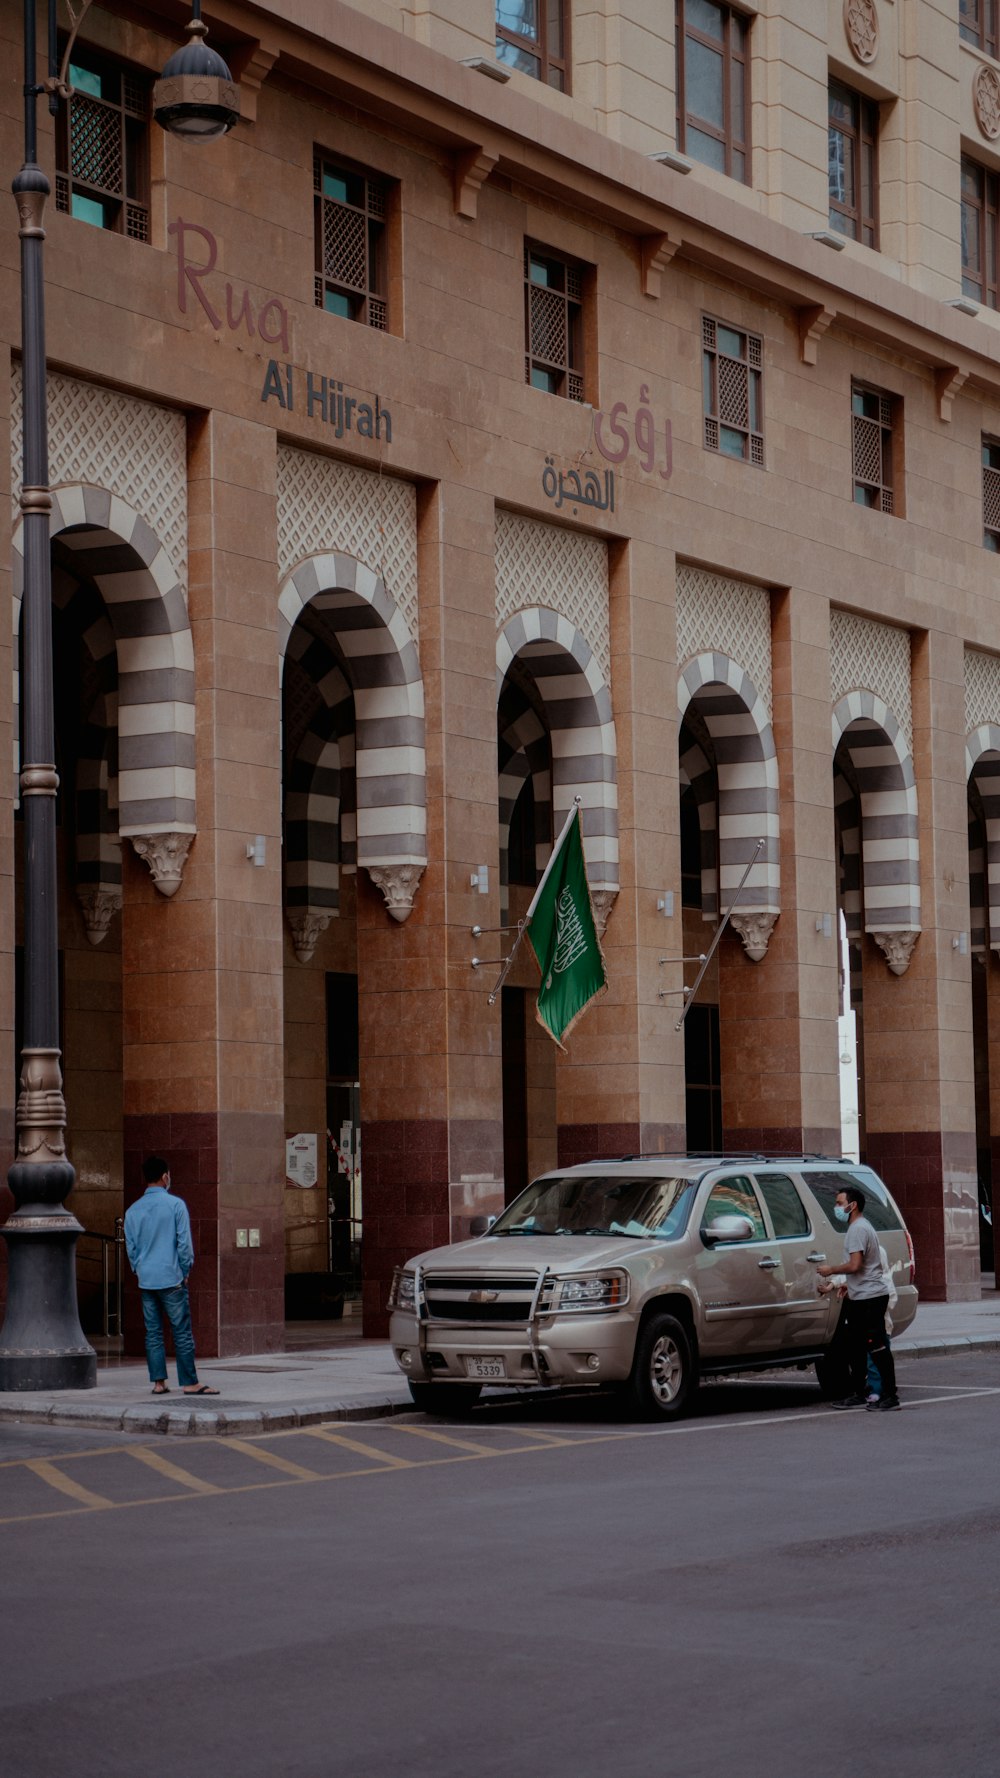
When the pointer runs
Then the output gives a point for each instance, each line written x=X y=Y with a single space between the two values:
x=483 y=1296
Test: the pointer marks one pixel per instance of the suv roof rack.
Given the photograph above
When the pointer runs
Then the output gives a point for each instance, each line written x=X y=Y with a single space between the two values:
x=726 y=1154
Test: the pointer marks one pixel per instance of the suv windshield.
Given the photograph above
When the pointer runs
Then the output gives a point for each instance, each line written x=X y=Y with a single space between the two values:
x=600 y=1204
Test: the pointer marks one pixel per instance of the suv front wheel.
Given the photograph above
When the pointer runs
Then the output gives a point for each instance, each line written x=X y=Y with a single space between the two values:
x=664 y=1374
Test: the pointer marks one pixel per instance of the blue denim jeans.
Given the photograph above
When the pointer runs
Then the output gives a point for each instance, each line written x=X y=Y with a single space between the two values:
x=174 y=1305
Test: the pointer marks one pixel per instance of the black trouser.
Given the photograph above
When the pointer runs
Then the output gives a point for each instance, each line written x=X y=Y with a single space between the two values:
x=865 y=1329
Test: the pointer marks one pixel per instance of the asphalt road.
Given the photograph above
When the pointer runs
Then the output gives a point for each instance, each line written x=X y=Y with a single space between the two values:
x=769 y=1589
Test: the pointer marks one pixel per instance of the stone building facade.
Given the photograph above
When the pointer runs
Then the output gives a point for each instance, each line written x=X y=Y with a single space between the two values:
x=521 y=403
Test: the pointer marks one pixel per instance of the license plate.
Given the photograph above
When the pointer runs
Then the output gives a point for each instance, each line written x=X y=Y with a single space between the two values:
x=490 y=1369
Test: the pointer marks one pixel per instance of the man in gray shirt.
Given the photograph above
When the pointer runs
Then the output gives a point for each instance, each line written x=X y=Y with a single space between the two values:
x=867 y=1302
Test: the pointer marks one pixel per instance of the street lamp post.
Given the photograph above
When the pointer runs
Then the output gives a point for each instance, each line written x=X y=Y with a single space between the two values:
x=42 y=1345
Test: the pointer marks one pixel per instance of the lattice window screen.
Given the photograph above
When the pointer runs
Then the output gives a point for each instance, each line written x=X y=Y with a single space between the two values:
x=982 y=688
x=869 y=656
x=108 y=440
x=991 y=500
x=325 y=506
x=540 y=564
x=731 y=617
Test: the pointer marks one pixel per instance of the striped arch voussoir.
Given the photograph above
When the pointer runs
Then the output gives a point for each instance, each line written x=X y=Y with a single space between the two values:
x=384 y=673
x=889 y=846
x=746 y=763
x=982 y=759
x=581 y=728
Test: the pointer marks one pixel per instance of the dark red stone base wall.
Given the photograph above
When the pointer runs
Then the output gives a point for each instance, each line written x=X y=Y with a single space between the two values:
x=406 y=1204
x=781 y=1139
x=579 y=1143
x=926 y=1171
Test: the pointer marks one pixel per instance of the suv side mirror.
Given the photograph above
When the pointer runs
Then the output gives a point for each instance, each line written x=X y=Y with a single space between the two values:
x=728 y=1228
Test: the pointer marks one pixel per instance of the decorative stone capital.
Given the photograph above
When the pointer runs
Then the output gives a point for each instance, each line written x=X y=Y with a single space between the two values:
x=602 y=900
x=861 y=25
x=398 y=883
x=98 y=904
x=755 y=930
x=986 y=101
x=166 y=855
x=897 y=948
x=307 y=928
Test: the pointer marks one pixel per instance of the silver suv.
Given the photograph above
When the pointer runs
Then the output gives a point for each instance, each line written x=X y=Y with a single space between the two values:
x=645 y=1273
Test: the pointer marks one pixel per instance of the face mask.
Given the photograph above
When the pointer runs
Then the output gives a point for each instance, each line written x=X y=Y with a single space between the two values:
x=841 y=1212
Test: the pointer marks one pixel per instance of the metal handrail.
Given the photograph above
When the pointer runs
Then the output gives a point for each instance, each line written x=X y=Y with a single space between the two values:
x=110 y=1243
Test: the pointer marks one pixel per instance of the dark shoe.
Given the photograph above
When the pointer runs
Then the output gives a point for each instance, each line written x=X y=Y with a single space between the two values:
x=850 y=1401
x=888 y=1404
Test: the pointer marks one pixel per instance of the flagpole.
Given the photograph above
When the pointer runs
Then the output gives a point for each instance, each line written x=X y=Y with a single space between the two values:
x=710 y=953
x=554 y=854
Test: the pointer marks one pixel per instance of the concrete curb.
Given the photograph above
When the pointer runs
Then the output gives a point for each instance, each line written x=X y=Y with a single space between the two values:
x=237 y=1422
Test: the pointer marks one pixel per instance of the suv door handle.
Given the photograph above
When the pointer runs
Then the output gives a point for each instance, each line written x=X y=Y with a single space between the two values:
x=767 y=1265
x=815 y=1259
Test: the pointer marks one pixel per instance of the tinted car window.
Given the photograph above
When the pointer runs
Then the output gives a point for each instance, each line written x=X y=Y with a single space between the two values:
x=735 y=1197
x=600 y=1204
x=825 y=1186
x=788 y=1213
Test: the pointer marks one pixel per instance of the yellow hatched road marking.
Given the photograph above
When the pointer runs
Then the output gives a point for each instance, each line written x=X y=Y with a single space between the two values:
x=272 y=1459
x=172 y=1471
x=543 y=1438
x=445 y=1438
x=355 y=1444
x=65 y=1484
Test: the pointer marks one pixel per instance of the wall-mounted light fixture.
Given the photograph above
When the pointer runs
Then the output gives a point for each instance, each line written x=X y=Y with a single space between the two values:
x=824 y=924
x=257 y=850
x=961 y=944
x=665 y=904
x=480 y=879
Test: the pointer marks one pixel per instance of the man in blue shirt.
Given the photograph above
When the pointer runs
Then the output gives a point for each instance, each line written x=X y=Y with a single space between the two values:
x=158 y=1243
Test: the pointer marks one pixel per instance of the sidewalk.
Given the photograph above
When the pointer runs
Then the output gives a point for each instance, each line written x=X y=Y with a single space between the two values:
x=355 y=1379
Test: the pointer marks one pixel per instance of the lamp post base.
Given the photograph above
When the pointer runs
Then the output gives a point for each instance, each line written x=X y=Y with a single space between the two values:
x=42 y=1345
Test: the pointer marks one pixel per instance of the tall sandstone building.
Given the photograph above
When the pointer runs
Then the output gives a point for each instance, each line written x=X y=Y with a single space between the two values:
x=529 y=401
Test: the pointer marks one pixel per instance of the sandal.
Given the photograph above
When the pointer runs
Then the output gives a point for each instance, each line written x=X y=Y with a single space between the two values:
x=202 y=1389
x=160 y=1389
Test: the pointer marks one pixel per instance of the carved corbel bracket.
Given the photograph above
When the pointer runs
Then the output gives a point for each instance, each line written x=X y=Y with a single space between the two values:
x=398 y=883
x=166 y=855
x=602 y=901
x=99 y=904
x=656 y=253
x=814 y=319
x=307 y=928
x=472 y=168
x=755 y=931
x=948 y=380
x=250 y=74
x=897 y=948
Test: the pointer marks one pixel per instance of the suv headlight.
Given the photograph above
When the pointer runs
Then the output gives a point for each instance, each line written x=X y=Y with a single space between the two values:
x=403 y=1291
x=601 y=1290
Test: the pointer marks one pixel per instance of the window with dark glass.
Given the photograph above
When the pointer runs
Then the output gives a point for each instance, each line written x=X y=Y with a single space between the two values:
x=102 y=146
x=853 y=164
x=780 y=1194
x=553 y=323
x=873 y=418
x=991 y=494
x=978 y=22
x=732 y=374
x=980 y=211
x=532 y=37
x=713 y=86
x=350 y=225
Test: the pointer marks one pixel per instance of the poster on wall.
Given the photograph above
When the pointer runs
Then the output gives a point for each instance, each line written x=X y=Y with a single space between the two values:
x=300 y=1160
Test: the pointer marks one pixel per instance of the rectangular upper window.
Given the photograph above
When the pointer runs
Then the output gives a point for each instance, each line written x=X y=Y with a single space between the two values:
x=991 y=494
x=553 y=323
x=532 y=36
x=978 y=22
x=102 y=145
x=853 y=164
x=980 y=211
x=350 y=229
x=713 y=86
x=875 y=420
x=733 y=377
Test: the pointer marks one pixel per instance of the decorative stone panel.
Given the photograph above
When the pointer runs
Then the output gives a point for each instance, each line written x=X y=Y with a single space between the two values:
x=325 y=506
x=871 y=656
x=861 y=25
x=982 y=689
x=546 y=565
x=101 y=438
x=716 y=614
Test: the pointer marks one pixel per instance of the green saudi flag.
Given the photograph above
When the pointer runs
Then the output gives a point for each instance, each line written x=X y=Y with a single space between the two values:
x=562 y=934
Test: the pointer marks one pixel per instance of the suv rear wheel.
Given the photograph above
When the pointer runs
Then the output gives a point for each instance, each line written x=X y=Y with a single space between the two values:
x=664 y=1374
x=451 y=1400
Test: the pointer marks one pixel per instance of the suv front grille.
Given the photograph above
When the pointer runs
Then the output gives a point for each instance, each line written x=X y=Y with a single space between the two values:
x=453 y=1297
